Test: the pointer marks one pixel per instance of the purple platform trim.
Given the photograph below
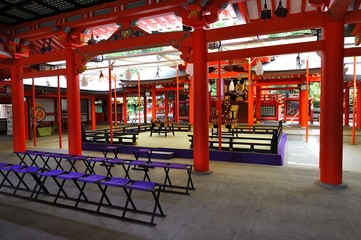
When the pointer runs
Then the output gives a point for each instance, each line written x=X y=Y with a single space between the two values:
x=214 y=155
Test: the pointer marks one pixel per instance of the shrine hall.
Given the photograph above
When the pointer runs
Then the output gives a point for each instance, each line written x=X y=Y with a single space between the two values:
x=215 y=119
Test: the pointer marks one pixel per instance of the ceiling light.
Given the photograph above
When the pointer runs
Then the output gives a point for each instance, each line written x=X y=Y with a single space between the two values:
x=281 y=11
x=265 y=13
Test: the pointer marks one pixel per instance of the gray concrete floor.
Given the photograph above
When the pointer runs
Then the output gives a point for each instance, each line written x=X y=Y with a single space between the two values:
x=236 y=201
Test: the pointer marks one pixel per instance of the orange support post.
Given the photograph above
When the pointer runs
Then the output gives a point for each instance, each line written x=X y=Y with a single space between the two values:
x=73 y=96
x=125 y=114
x=347 y=105
x=154 y=102
x=177 y=99
x=250 y=96
x=201 y=108
x=33 y=107
x=258 y=103
x=60 y=124
x=115 y=104
x=219 y=106
x=358 y=105
x=166 y=106
x=353 y=100
x=303 y=103
x=18 y=109
x=138 y=98
x=110 y=110
x=331 y=127
x=145 y=108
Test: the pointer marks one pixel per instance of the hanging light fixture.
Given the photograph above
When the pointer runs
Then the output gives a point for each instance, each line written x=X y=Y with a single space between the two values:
x=259 y=68
x=281 y=11
x=265 y=13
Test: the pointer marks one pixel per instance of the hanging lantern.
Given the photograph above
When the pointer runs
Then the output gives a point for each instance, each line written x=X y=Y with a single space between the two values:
x=84 y=81
x=259 y=68
x=128 y=74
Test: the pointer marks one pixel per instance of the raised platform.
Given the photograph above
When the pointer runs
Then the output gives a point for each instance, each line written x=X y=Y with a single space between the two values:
x=214 y=155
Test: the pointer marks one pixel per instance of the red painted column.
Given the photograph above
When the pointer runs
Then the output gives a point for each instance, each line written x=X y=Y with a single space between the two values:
x=358 y=106
x=18 y=109
x=331 y=129
x=154 y=102
x=73 y=97
x=250 y=96
x=166 y=106
x=201 y=106
x=303 y=103
x=145 y=108
x=125 y=114
x=347 y=105
x=258 y=103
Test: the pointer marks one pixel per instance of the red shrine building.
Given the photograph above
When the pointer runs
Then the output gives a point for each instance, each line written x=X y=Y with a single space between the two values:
x=213 y=39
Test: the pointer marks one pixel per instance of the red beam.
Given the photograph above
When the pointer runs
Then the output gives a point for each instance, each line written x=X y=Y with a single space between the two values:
x=338 y=8
x=277 y=25
x=271 y=82
x=5 y=83
x=44 y=58
x=89 y=19
x=266 y=51
x=49 y=73
x=350 y=52
x=353 y=17
x=153 y=40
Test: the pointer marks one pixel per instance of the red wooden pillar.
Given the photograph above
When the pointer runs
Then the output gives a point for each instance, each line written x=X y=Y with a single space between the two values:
x=303 y=109
x=18 y=109
x=201 y=106
x=166 y=106
x=73 y=96
x=154 y=102
x=125 y=117
x=145 y=108
x=347 y=105
x=358 y=106
x=331 y=129
x=258 y=103
x=250 y=96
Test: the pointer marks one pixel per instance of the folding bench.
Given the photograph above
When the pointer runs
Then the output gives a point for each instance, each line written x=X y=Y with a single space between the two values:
x=66 y=177
x=107 y=149
x=128 y=187
x=5 y=171
x=21 y=172
x=31 y=154
x=148 y=153
x=42 y=177
x=111 y=162
x=91 y=161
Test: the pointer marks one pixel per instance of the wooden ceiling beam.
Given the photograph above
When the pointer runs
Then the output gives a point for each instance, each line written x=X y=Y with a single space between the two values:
x=266 y=51
x=277 y=25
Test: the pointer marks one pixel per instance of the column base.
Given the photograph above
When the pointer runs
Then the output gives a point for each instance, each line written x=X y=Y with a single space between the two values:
x=202 y=173
x=331 y=186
